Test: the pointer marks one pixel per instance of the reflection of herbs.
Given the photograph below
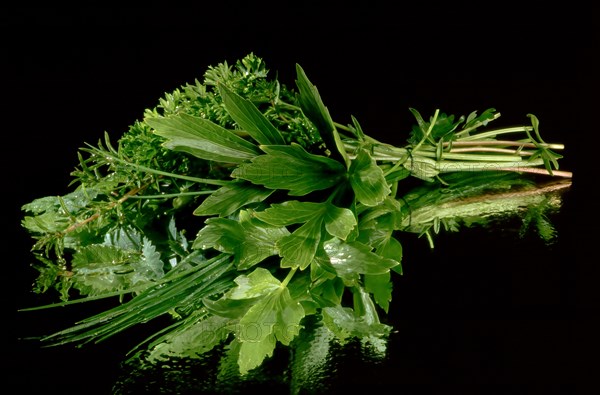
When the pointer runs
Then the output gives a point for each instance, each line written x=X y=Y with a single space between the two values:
x=484 y=198
x=240 y=208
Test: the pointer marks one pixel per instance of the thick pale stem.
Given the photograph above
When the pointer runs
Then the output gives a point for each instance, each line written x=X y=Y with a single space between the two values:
x=501 y=143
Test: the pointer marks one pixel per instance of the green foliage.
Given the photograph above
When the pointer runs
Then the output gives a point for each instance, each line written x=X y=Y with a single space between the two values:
x=240 y=209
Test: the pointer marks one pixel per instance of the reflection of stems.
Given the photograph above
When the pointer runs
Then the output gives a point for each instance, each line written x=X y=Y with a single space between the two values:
x=538 y=190
x=424 y=212
x=491 y=149
x=558 y=173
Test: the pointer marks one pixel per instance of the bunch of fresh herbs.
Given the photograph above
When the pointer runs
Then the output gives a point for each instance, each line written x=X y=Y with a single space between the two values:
x=240 y=209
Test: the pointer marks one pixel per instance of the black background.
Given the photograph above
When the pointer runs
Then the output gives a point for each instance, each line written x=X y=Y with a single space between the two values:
x=483 y=313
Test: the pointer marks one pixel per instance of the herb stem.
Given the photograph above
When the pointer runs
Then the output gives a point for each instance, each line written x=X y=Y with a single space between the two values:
x=523 y=144
x=490 y=149
x=288 y=278
x=473 y=157
x=171 y=195
x=429 y=130
x=150 y=170
x=496 y=132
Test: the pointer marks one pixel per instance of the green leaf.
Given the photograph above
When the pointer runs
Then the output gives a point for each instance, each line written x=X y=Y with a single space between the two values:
x=227 y=307
x=260 y=242
x=353 y=258
x=202 y=138
x=367 y=180
x=48 y=222
x=290 y=212
x=275 y=316
x=222 y=234
x=256 y=284
x=380 y=285
x=149 y=267
x=380 y=236
x=250 y=242
x=231 y=197
x=329 y=292
x=420 y=130
x=299 y=286
x=338 y=221
x=314 y=109
x=299 y=248
x=473 y=119
x=49 y=212
x=549 y=157
x=321 y=269
x=72 y=202
x=291 y=168
x=392 y=249
x=249 y=118
x=99 y=269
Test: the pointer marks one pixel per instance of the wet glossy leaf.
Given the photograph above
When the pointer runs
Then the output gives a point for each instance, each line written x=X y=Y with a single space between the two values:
x=353 y=258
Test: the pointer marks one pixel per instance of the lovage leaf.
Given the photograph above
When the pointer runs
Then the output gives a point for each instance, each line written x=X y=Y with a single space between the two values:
x=367 y=180
x=258 y=283
x=229 y=198
x=338 y=221
x=275 y=317
x=290 y=212
x=353 y=258
x=277 y=313
x=329 y=292
x=380 y=286
x=249 y=242
x=227 y=307
x=299 y=248
x=291 y=168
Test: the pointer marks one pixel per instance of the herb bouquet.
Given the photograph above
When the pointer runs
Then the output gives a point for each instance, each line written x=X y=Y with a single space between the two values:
x=238 y=208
